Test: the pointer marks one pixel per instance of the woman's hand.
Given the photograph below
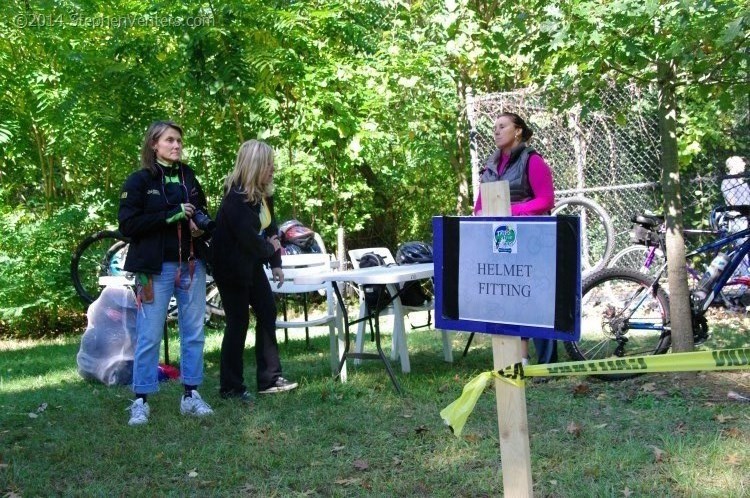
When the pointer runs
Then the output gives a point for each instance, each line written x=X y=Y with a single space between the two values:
x=188 y=209
x=274 y=240
x=278 y=276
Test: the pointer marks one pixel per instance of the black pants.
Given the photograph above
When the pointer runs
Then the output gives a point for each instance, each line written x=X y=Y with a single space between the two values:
x=236 y=300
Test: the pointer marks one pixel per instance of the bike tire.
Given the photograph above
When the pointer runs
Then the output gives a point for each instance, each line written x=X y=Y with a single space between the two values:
x=605 y=296
x=93 y=258
x=634 y=257
x=597 y=231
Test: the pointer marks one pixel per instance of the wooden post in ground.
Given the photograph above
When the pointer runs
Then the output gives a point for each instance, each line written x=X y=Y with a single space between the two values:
x=512 y=421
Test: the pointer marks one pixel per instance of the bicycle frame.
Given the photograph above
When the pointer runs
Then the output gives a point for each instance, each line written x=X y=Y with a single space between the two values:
x=737 y=254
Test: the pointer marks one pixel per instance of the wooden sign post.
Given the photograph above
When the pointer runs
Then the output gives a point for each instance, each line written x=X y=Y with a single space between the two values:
x=512 y=420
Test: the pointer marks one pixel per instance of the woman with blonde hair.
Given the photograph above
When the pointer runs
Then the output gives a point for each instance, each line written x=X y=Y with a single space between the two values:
x=245 y=239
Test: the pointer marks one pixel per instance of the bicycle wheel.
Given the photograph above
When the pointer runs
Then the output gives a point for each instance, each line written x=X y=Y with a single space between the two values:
x=597 y=231
x=634 y=258
x=621 y=316
x=214 y=310
x=100 y=254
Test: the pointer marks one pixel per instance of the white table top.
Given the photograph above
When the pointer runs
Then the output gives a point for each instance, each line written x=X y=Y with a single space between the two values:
x=372 y=275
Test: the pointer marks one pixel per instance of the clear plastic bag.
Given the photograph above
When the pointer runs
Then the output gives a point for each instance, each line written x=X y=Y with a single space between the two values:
x=108 y=345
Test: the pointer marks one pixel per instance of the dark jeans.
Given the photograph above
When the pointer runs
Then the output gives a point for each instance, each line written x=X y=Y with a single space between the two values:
x=546 y=350
x=236 y=299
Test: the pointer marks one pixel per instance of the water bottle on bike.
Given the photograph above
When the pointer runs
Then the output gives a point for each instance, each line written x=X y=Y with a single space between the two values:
x=712 y=273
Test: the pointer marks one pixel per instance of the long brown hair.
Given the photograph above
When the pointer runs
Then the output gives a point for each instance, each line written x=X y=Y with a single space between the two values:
x=153 y=134
x=254 y=160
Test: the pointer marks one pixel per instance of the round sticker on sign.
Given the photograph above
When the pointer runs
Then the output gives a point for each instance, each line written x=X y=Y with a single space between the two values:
x=504 y=238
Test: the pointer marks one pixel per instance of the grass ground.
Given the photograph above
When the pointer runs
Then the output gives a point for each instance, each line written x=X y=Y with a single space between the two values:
x=656 y=435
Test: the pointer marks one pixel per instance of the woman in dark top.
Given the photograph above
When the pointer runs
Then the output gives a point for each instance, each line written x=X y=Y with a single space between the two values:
x=245 y=239
x=157 y=206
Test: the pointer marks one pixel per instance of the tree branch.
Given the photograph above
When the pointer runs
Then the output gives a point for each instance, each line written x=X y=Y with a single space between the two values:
x=620 y=70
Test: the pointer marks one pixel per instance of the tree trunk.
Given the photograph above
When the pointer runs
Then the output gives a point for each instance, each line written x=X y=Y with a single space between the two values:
x=458 y=160
x=679 y=296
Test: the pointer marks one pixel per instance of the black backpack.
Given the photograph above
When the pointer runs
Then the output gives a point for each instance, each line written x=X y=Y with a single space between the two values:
x=415 y=293
x=374 y=292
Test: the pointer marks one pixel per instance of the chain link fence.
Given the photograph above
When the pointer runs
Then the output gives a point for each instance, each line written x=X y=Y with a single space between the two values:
x=610 y=155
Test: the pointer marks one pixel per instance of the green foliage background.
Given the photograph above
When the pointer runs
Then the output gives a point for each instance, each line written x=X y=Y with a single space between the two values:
x=363 y=101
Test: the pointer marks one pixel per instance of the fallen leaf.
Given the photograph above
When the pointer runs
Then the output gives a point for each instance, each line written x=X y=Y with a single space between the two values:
x=407 y=415
x=680 y=428
x=738 y=397
x=443 y=388
x=396 y=461
x=553 y=482
x=337 y=448
x=33 y=415
x=626 y=492
x=659 y=454
x=733 y=432
x=41 y=408
x=581 y=389
x=574 y=429
x=724 y=418
x=648 y=387
x=472 y=438
x=193 y=473
x=361 y=464
x=733 y=459
x=349 y=481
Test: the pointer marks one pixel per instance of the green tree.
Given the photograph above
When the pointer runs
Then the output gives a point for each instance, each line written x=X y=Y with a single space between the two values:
x=686 y=51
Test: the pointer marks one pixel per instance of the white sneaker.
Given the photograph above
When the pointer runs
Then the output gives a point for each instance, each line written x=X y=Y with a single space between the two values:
x=139 y=412
x=195 y=405
x=279 y=386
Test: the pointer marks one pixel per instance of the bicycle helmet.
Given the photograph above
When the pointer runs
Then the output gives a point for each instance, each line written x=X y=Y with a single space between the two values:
x=299 y=235
x=414 y=252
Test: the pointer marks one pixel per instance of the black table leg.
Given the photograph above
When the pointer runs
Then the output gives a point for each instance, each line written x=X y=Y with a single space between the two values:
x=364 y=356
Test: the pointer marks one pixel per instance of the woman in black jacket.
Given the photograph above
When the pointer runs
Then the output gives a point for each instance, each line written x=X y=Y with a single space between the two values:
x=246 y=238
x=158 y=206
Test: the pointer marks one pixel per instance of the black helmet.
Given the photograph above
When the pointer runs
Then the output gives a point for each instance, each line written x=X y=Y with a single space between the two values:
x=414 y=252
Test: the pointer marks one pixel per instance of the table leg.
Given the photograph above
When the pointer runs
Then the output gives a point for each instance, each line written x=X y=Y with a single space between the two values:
x=364 y=356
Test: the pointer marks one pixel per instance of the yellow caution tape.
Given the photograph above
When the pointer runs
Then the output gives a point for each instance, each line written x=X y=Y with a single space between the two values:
x=455 y=414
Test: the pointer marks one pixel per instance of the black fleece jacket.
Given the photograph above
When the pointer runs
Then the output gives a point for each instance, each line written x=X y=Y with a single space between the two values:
x=143 y=215
x=239 y=248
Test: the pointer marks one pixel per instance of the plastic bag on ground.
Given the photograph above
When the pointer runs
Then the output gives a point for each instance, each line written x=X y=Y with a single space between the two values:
x=107 y=346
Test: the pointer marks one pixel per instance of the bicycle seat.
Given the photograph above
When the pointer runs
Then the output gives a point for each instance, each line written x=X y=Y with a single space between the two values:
x=647 y=220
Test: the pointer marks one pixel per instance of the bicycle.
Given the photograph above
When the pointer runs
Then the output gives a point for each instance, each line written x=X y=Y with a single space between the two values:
x=625 y=312
x=597 y=231
x=103 y=254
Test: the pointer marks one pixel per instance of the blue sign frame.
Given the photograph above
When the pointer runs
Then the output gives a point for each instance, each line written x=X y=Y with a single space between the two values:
x=567 y=281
